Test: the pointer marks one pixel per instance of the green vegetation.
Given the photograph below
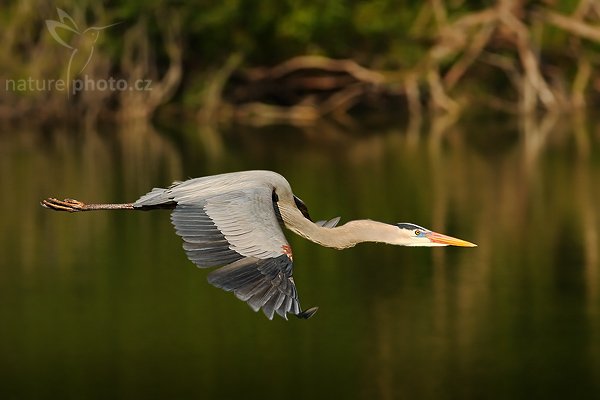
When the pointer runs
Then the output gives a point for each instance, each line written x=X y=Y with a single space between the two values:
x=513 y=55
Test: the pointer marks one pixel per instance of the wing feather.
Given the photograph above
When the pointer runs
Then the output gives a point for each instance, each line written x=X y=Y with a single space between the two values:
x=239 y=232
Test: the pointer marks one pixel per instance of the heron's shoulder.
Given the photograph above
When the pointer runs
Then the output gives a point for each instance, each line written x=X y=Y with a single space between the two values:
x=256 y=178
x=195 y=189
x=272 y=177
x=241 y=180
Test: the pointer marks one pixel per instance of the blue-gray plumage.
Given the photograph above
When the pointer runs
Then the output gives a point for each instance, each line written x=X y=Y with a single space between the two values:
x=234 y=221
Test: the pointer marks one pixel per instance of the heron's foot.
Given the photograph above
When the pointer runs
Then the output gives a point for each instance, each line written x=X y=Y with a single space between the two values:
x=70 y=205
x=306 y=314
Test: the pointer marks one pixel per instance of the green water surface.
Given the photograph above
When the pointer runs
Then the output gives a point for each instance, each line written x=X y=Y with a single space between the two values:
x=105 y=305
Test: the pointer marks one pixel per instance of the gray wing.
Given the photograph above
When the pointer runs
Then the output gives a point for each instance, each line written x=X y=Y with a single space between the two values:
x=239 y=231
x=332 y=223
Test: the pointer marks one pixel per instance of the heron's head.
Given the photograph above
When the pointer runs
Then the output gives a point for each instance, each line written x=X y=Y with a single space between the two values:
x=415 y=235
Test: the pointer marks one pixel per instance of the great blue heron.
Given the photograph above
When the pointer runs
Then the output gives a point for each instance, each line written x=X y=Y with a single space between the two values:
x=234 y=221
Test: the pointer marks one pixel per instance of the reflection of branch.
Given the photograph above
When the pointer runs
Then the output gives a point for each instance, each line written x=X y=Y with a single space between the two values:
x=536 y=132
x=146 y=152
x=586 y=207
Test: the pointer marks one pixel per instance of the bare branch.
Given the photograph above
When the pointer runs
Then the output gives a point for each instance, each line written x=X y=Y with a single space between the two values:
x=573 y=25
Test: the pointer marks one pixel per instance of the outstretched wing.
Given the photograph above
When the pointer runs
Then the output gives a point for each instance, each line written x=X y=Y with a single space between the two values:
x=239 y=232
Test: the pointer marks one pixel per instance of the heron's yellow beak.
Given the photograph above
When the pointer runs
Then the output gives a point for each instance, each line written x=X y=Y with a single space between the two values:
x=448 y=240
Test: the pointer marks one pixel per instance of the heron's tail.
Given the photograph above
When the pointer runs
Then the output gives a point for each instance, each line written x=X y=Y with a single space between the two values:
x=157 y=198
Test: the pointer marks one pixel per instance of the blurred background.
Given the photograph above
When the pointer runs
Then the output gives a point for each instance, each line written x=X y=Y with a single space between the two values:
x=472 y=118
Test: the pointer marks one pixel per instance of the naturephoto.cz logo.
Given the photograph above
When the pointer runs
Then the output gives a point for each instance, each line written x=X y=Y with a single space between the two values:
x=80 y=45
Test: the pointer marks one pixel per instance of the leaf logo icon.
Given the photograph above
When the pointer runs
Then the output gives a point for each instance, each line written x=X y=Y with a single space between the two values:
x=82 y=49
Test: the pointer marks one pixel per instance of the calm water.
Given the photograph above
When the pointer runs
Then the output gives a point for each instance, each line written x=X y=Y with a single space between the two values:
x=106 y=306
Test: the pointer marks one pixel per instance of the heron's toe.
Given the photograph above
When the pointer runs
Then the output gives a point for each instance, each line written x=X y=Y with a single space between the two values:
x=69 y=205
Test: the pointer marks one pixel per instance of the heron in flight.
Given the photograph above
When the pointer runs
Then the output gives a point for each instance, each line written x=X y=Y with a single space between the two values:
x=234 y=221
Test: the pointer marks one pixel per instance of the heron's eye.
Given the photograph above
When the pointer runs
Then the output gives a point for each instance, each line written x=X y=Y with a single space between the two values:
x=417 y=232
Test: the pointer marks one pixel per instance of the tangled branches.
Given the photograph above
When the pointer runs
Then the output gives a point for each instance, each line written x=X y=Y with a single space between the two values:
x=461 y=69
x=512 y=56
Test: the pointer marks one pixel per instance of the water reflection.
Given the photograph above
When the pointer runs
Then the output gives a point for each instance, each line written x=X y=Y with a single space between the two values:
x=106 y=305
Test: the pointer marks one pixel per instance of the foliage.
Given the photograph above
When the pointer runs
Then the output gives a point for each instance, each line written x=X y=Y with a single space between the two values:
x=176 y=43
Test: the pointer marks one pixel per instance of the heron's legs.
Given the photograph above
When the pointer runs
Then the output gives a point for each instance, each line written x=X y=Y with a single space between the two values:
x=72 y=205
